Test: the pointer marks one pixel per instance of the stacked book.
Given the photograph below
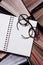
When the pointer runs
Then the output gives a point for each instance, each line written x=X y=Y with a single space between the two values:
x=11 y=59
x=37 y=51
x=35 y=8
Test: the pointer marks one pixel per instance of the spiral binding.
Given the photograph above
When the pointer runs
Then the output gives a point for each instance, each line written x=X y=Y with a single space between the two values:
x=8 y=33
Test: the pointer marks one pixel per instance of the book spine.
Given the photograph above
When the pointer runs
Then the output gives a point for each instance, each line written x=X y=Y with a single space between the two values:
x=37 y=61
x=8 y=33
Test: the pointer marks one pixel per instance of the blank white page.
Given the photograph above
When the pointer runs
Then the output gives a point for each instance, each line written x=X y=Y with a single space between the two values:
x=4 y=21
x=17 y=44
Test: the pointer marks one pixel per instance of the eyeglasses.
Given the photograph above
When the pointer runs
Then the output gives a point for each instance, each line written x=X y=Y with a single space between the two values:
x=31 y=31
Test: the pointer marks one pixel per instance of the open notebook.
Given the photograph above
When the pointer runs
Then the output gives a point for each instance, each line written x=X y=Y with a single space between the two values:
x=11 y=39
